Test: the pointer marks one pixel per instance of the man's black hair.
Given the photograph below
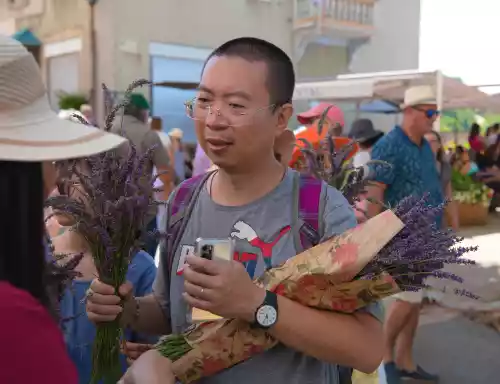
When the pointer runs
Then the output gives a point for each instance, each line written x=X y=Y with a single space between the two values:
x=281 y=75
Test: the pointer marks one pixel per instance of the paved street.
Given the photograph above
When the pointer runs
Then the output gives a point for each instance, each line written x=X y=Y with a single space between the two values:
x=462 y=351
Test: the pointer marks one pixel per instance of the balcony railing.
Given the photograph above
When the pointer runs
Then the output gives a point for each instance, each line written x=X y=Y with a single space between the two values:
x=353 y=13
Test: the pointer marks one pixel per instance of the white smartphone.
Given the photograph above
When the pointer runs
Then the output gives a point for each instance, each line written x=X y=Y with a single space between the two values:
x=210 y=249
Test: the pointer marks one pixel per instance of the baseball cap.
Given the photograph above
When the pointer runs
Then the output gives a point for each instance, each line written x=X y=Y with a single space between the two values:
x=335 y=114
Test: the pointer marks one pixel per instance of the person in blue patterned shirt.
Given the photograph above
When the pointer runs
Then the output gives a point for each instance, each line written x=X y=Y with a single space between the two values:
x=411 y=170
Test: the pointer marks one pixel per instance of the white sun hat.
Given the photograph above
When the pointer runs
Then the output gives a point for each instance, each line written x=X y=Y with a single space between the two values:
x=29 y=129
x=176 y=133
x=419 y=95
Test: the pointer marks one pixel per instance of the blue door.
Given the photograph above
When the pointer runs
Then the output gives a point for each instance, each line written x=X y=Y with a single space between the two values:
x=168 y=103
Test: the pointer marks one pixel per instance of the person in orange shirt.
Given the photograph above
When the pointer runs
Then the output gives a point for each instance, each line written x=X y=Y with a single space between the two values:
x=333 y=125
x=334 y=122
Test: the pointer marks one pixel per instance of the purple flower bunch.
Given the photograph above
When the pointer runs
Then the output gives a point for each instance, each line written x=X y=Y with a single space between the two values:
x=420 y=249
x=58 y=277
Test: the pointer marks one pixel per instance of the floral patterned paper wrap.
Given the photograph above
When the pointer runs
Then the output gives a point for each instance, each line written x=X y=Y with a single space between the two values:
x=320 y=277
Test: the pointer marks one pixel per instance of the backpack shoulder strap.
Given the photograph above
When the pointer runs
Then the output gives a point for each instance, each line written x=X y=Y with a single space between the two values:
x=182 y=196
x=307 y=202
x=179 y=210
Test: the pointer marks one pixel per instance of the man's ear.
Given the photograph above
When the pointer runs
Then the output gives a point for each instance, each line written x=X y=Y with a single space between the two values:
x=285 y=112
x=284 y=146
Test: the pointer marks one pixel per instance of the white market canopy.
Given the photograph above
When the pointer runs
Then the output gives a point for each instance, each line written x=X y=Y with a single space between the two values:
x=451 y=92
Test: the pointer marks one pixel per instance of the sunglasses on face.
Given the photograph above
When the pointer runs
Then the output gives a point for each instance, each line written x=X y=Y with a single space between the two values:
x=429 y=113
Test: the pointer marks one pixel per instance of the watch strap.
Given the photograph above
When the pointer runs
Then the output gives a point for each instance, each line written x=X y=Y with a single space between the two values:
x=271 y=299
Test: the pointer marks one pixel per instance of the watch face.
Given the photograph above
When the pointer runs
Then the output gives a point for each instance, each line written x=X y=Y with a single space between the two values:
x=266 y=316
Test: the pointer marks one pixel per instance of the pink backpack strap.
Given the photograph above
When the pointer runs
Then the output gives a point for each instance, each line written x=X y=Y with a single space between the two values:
x=309 y=201
x=179 y=210
x=182 y=196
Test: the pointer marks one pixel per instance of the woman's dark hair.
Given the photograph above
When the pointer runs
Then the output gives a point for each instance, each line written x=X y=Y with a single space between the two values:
x=440 y=152
x=22 y=252
x=475 y=130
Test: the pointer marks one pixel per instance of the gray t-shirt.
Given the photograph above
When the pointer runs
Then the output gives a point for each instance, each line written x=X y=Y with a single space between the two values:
x=262 y=234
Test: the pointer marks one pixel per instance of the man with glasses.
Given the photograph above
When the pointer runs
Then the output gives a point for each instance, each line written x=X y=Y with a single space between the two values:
x=412 y=171
x=244 y=103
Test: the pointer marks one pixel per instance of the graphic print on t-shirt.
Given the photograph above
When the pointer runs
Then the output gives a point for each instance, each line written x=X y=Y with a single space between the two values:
x=245 y=236
x=248 y=248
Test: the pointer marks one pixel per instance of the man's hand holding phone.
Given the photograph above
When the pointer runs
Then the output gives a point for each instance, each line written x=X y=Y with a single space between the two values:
x=222 y=287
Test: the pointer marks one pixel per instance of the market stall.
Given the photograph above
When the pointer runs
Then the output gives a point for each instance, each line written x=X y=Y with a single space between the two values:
x=390 y=86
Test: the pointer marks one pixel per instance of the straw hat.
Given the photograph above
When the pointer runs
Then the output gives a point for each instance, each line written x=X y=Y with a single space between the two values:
x=176 y=133
x=29 y=129
x=419 y=95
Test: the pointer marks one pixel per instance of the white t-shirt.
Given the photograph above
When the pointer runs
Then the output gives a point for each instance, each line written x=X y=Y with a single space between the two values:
x=361 y=158
x=491 y=139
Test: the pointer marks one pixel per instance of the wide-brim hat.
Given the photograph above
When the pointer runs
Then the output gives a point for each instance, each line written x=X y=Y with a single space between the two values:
x=419 y=95
x=362 y=130
x=29 y=129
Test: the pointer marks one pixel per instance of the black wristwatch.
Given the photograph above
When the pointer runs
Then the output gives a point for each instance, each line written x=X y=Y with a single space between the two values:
x=267 y=313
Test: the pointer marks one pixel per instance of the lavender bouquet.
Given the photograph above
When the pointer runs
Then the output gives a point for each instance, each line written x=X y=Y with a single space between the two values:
x=109 y=197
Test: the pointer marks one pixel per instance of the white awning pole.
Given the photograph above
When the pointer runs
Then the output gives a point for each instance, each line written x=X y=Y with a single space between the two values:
x=439 y=98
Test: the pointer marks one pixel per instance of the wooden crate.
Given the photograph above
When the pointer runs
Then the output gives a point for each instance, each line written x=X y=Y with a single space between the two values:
x=472 y=214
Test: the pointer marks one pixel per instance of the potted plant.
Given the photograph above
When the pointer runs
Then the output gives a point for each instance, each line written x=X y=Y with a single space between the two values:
x=71 y=100
x=472 y=197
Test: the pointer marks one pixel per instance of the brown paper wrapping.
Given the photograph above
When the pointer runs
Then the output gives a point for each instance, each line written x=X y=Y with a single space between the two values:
x=321 y=277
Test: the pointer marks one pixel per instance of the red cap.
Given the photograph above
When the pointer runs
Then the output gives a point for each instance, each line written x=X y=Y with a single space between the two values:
x=335 y=114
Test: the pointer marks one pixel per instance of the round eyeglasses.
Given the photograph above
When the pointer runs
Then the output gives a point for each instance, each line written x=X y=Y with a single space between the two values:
x=235 y=115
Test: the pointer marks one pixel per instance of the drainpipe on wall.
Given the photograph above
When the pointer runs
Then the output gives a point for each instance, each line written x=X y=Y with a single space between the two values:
x=93 y=56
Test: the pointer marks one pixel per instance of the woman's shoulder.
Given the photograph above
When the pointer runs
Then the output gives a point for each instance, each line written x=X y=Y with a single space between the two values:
x=144 y=259
x=20 y=310
x=14 y=301
x=26 y=328
x=141 y=264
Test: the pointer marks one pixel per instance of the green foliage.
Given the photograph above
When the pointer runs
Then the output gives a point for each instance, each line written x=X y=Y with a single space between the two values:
x=71 y=100
x=460 y=182
x=492 y=119
x=458 y=120
x=467 y=190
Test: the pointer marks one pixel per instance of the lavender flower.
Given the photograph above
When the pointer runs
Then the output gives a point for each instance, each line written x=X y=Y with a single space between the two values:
x=59 y=275
x=420 y=249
